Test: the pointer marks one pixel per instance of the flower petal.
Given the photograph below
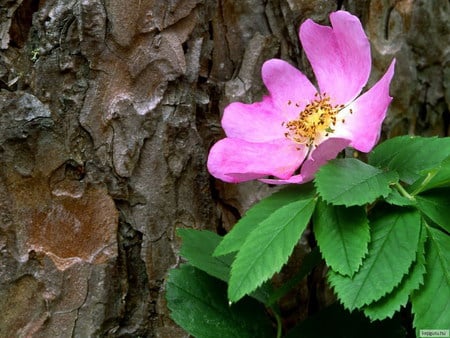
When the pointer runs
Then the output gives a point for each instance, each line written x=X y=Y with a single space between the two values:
x=369 y=111
x=289 y=88
x=296 y=179
x=256 y=122
x=234 y=160
x=324 y=152
x=340 y=56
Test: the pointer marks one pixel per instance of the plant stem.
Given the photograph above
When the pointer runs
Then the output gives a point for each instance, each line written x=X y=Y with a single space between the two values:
x=279 y=323
x=424 y=183
x=403 y=192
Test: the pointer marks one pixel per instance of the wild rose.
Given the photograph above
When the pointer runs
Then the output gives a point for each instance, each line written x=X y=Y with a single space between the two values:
x=297 y=128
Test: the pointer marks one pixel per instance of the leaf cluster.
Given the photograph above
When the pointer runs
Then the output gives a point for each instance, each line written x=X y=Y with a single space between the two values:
x=381 y=227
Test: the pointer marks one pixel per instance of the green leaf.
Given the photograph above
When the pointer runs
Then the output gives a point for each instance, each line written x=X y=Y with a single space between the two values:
x=336 y=322
x=390 y=303
x=351 y=182
x=395 y=198
x=435 y=204
x=342 y=235
x=268 y=247
x=198 y=304
x=410 y=155
x=440 y=176
x=437 y=177
x=233 y=241
x=197 y=247
x=431 y=303
x=392 y=250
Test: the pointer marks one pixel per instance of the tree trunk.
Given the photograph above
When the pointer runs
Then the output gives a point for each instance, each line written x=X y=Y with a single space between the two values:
x=108 y=109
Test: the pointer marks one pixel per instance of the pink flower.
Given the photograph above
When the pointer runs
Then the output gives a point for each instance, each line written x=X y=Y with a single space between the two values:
x=297 y=128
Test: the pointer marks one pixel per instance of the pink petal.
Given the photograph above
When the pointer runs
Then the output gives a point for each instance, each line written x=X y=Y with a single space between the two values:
x=340 y=56
x=369 y=111
x=296 y=179
x=234 y=160
x=257 y=122
x=290 y=90
x=324 y=152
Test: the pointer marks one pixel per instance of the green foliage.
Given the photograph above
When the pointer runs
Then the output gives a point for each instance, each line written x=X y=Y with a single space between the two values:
x=268 y=247
x=382 y=229
x=342 y=235
x=392 y=250
x=198 y=247
x=351 y=182
x=233 y=241
x=437 y=177
x=409 y=156
x=395 y=198
x=431 y=303
x=435 y=204
x=198 y=303
x=390 y=303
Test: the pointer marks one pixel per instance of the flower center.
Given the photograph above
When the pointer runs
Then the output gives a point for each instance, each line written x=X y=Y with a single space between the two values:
x=317 y=119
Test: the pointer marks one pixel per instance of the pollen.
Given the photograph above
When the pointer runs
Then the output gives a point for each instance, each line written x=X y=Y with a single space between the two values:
x=317 y=119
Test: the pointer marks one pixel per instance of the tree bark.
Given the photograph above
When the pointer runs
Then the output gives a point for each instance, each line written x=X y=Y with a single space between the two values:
x=108 y=109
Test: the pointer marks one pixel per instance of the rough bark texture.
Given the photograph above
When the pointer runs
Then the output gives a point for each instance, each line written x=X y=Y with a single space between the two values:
x=108 y=109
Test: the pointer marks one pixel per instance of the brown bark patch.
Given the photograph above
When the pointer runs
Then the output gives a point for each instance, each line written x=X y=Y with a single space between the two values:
x=73 y=228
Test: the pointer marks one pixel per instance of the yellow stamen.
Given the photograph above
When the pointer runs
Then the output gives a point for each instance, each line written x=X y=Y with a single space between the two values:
x=317 y=119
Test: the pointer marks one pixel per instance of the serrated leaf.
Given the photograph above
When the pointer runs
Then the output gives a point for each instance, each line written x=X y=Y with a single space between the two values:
x=336 y=322
x=342 y=235
x=410 y=155
x=437 y=177
x=197 y=247
x=390 y=303
x=198 y=304
x=395 y=198
x=431 y=303
x=233 y=241
x=435 y=204
x=351 y=182
x=268 y=247
x=440 y=176
x=392 y=250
